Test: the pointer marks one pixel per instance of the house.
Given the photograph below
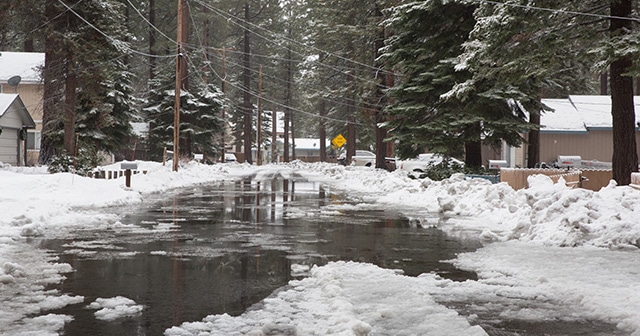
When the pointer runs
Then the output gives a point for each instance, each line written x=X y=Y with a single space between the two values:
x=14 y=123
x=578 y=126
x=20 y=74
x=308 y=150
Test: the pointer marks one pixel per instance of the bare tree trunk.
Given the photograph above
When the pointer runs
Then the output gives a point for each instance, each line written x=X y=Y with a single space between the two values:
x=473 y=149
x=52 y=94
x=604 y=84
x=287 y=109
x=152 y=38
x=625 y=155
x=70 y=108
x=322 y=130
x=380 y=98
x=533 y=153
x=185 y=140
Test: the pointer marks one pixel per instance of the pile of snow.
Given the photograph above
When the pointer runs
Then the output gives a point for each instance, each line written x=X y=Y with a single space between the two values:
x=115 y=308
x=342 y=298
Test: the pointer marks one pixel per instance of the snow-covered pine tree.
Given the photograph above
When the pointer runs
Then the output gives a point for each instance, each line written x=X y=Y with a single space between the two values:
x=202 y=104
x=436 y=106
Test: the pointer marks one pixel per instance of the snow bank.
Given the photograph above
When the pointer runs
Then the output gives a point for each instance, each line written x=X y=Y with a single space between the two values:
x=545 y=212
x=342 y=298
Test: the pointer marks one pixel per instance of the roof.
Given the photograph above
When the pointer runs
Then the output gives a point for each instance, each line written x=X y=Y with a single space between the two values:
x=6 y=100
x=24 y=64
x=580 y=114
x=304 y=143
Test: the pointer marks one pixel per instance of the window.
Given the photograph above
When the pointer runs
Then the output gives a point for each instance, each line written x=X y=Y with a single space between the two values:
x=33 y=139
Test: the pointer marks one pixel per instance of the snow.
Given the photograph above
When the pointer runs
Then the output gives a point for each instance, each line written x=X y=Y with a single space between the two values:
x=115 y=308
x=581 y=260
x=24 y=64
x=579 y=113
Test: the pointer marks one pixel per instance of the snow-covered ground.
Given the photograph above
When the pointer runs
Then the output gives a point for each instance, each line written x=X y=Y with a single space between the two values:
x=568 y=253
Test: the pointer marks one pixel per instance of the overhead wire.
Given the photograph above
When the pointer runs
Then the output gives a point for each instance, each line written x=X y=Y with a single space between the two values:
x=348 y=102
x=561 y=11
x=114 y=41
x=232 y=19
x=275 y=103
x=354 y=102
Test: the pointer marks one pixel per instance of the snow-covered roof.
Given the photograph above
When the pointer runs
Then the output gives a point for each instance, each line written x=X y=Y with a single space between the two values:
x=8 y=99
x=140 y=128
x=580 y=114
x=5 y=101
x=304 y=143
x=24 y=64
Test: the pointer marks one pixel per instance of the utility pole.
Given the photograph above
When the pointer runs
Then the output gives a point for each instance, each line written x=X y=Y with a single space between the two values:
x=274 y=130
x=223 y=158
x=259 y=129
x=176 y=110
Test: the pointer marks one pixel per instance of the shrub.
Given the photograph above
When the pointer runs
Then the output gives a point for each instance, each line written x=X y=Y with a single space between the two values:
x=84 y=163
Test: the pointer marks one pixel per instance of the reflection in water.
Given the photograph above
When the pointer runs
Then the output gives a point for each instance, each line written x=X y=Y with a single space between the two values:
x=222 y=248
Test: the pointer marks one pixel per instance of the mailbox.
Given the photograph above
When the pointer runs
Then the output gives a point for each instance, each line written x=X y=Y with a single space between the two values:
x=129 y=165
x=497 y=164
x=566 y=161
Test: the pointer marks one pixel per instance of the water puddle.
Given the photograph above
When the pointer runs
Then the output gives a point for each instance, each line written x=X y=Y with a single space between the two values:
x=223 y=248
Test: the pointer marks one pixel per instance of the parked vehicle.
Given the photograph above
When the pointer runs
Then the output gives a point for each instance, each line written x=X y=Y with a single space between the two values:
x=363 y=158
x=230 y=157
x=367 y=159
x=425 y=160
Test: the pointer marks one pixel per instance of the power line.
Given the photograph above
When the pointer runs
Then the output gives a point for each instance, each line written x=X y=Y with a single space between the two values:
x=560 y=11
x=231 y=18
x=120 y=45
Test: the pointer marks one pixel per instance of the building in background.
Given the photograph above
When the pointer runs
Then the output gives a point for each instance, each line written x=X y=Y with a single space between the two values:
x=20 y=74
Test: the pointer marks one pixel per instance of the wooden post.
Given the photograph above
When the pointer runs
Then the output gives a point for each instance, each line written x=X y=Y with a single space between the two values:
x=259 y=136
x=176 y=111
x=223 y=159
x=127 y=177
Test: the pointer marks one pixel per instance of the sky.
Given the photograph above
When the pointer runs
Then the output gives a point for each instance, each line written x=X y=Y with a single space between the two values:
x=549 y=253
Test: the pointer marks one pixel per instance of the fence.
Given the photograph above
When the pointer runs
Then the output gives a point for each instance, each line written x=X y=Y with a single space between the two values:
x=592 y=179
x=112 y=174
x=635 y=180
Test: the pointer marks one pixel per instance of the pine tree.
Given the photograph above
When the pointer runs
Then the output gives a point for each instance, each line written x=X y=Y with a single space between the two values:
x=201 y=103
x=434 y=106
x=551 y=48
x=86 y=74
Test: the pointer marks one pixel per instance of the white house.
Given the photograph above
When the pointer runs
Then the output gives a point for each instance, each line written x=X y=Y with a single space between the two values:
x=25 y=66
x=14 y=122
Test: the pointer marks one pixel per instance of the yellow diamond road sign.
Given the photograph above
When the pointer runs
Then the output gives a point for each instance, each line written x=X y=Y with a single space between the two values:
x=339 y=141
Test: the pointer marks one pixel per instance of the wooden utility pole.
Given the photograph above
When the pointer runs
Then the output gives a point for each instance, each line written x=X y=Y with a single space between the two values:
x=259 y=128
x=274 y=130
x=176 y=110
x=224 y=113
x=246 y=83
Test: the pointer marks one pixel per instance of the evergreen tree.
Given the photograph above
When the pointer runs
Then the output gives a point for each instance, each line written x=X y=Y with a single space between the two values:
x=428 y=37
x=551 y=48
x=201 y=103
x=84 y=65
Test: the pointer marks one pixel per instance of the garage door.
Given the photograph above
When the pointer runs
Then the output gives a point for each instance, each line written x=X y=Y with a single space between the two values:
x=9 y=146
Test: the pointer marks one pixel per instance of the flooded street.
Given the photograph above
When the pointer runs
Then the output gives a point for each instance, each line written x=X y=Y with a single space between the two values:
x=224 y=247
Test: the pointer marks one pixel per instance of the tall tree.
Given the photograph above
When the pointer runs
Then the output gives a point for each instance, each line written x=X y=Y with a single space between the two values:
x=202 y=103
x=551 y=49
x=625 y=153
x=436 y=106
